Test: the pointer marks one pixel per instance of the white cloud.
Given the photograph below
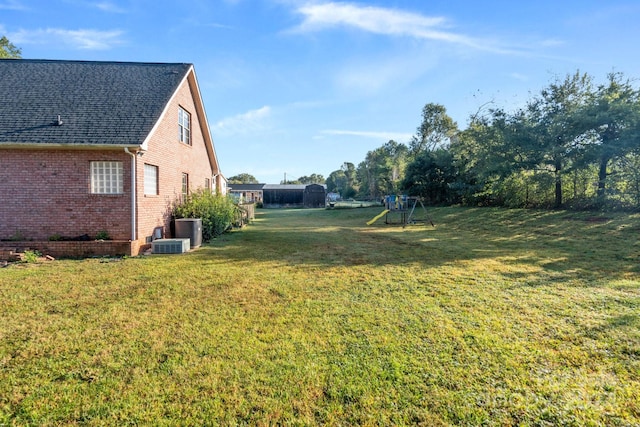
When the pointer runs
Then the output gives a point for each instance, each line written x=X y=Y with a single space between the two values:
x=251 y=121
x=12 y=5
x=368 y=18
x=383 y=136
x=107 y=6
x=78 y=39
x=385 y=21
x=552 y=43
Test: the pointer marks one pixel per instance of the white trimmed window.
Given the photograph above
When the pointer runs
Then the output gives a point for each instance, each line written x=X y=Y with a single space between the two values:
x=185 y=186
x=207 y=184
x=184 y=125
x=107 y=178
x=150 y=180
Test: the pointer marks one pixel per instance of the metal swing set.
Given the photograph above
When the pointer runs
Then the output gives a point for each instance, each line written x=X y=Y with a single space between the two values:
x=405 y=207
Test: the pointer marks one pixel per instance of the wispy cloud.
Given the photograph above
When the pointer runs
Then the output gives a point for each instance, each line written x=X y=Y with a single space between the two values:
x=12 y=5
x=383 y=136
x=552 y=43
x=107 y=6
x=88 y=39
x=386 y=21
x=251 y=121
x=368 y=18
x=519 y=76
x=370 y=76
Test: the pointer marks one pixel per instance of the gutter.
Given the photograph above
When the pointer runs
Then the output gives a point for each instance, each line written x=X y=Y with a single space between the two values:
x=133 y=193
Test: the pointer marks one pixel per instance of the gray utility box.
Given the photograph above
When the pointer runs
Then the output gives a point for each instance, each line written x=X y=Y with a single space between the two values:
x=190 y=228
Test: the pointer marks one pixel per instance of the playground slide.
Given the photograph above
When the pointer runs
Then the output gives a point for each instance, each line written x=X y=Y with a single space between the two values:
x=377 y=217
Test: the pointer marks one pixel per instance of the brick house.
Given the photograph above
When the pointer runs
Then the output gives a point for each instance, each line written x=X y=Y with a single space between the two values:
x=95 y=148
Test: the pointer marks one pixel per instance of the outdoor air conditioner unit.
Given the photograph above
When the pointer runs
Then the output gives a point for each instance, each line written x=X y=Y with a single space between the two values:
x=170 y=246
x=190 y=228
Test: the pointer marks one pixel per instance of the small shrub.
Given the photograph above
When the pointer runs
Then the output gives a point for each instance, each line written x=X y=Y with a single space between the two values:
x=31 y=256
x=216 y=211
x=55 y=238
x=102 y=235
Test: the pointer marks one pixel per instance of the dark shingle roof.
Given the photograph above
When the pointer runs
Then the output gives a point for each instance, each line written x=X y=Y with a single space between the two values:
x=245 y=187
x=98 y=102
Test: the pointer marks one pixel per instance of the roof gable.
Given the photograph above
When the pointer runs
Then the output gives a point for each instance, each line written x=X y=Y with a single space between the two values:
x=99 y=103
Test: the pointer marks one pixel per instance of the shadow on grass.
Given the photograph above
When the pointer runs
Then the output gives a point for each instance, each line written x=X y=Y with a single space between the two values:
x=559 y=245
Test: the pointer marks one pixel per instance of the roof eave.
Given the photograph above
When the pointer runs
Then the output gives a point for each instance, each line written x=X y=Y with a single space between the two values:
x=67 y=146
x=190 y=78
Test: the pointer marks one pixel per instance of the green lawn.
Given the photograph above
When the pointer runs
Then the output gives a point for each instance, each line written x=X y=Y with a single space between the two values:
x=307 y=317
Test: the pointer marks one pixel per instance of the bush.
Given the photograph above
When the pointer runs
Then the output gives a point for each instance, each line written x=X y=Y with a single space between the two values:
x=103 y=235
x=31 y=256
x=216 y=211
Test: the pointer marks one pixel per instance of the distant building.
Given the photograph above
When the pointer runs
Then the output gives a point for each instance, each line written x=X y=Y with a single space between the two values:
x=294 y=196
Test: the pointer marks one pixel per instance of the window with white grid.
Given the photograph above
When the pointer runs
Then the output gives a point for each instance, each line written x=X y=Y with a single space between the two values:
x=107 y=178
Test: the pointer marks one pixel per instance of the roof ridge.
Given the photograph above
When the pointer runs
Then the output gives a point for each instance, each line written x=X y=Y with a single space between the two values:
x=80 y=61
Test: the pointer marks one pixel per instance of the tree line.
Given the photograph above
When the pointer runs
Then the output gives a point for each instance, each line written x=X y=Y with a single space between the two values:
x=575 y=144
x=247 y=178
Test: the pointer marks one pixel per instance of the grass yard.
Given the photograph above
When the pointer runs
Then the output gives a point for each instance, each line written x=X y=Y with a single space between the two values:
x=310 y=317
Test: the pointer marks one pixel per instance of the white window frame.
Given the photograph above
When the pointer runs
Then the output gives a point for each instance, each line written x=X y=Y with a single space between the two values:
x=151 y=182
x=184 y=126
x=107 y=177
x=185 y=185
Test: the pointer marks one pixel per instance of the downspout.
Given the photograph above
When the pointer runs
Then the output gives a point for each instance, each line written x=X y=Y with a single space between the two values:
x=133 y=193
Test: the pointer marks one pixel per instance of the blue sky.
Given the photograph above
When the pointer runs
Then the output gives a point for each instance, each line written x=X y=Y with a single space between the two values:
x=301 y=86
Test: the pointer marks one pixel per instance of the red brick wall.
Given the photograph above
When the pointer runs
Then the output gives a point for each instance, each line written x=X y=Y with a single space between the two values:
x=8 y=250
x=172 y=158
x=47 y=192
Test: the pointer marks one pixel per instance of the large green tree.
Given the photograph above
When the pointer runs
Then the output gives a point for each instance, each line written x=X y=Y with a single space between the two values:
x=487 y=152
x=343 y=181
x=552 y=127
x=435 y=131
x=612 y=120
x=243 y=178
x=431 y=176
x=382 y=170
x=8 y=49
x=314 y=178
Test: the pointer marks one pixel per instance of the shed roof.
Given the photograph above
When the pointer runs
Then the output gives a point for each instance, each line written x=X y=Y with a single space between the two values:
x=299 y=187
x=99 y=103
x=245 y=187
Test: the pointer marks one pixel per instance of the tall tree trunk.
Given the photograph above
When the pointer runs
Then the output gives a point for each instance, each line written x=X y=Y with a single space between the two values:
x=558 y=176
x=602 y=177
